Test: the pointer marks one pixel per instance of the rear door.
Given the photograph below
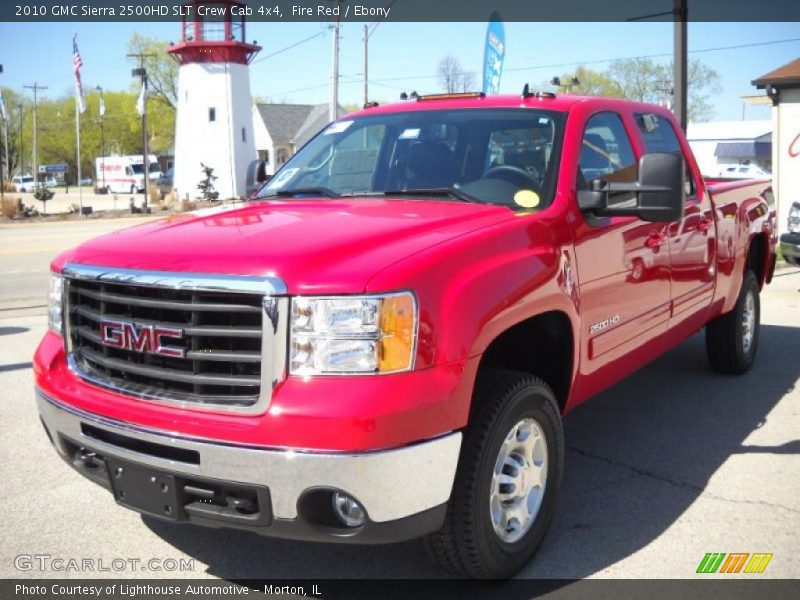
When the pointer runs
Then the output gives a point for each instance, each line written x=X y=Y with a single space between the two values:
x=623 y=262
x=692 y=241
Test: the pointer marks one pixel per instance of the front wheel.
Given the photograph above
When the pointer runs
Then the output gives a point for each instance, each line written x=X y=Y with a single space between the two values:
x=508 y=476
x=732 y=339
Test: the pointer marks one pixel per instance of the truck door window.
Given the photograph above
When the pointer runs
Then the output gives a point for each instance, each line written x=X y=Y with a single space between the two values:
x=659 y=136
x=606 y=153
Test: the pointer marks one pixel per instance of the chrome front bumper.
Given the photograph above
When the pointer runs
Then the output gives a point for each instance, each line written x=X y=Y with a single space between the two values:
x=390 y=484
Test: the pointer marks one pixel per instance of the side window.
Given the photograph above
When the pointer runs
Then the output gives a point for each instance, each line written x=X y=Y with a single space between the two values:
x=659 y=136
x=606 y=151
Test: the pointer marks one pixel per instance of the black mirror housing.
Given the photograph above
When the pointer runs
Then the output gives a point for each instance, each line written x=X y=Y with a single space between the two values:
x=659 y=192
x=664 y=170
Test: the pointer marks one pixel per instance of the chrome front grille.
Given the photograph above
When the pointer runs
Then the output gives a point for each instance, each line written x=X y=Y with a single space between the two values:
x=227 y=343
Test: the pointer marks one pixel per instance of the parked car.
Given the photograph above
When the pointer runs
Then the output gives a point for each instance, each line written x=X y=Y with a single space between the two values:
x=24 y=183
x=744 y=172
x=164 y=183
x=86 y=181
x=50 y=182
x=382 y=344
x=790 y=241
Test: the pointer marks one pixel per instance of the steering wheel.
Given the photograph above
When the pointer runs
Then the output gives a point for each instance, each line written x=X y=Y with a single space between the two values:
x=514 y=174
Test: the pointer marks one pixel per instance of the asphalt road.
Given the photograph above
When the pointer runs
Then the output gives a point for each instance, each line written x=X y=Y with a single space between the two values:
x=666 y=466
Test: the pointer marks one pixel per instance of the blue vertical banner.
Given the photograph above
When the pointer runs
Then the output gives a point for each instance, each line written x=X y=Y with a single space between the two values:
x=494 y=54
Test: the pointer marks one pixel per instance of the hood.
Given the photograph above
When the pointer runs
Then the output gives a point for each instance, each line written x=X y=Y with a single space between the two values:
x=315 y=246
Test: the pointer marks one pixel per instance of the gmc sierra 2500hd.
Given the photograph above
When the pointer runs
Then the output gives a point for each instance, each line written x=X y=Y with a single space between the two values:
x=383 y=343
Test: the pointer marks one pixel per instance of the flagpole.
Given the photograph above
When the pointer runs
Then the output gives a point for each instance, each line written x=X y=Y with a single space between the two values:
x=78 y=139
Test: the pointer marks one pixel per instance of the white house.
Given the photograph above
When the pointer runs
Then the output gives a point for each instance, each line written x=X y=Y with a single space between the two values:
x=280 y=130
x=717 y=145
x=782 y=85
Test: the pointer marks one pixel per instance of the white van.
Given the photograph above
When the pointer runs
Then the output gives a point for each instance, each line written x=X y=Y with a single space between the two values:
x=23 y=183
x=124 y=174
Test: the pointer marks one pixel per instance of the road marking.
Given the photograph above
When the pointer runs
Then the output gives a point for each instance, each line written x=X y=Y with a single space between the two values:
x=7 y=251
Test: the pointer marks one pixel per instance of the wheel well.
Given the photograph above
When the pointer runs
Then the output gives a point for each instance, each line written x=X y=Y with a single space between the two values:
x=541 y=346
x=756 y=257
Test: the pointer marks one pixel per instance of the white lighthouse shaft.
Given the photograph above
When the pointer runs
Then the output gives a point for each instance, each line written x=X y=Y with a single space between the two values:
x=214 y=127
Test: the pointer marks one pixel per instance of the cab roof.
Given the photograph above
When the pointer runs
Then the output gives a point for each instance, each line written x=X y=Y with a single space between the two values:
x=556 y=102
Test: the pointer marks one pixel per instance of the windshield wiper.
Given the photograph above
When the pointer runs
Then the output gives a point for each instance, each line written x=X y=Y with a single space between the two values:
x=316 y=191
x=439 y=191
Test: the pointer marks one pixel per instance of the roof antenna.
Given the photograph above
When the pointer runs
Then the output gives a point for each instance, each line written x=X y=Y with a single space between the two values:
x=526 y=92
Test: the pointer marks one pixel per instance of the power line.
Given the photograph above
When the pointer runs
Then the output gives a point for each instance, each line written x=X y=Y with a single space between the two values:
x=607 y=60
x=295 y=45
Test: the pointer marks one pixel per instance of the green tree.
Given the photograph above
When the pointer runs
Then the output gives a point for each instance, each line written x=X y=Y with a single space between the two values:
x=592 y=83
x=18 y=110
x=644 y=80
x=162 y=69
x=121 y=130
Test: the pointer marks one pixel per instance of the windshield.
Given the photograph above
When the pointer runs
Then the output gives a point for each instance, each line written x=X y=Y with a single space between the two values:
x=138 y=169
x=492 y=156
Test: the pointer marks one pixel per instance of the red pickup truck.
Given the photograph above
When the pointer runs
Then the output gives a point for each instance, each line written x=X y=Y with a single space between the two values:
x=382 y=344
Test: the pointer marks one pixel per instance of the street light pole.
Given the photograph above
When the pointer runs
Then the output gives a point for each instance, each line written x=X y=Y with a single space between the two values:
x=102 y=137
x=141 y=72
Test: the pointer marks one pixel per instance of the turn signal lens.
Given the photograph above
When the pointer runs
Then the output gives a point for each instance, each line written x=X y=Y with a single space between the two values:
x=398 y=329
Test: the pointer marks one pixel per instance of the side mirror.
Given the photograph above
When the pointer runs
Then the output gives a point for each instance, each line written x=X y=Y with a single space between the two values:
x=659 y=192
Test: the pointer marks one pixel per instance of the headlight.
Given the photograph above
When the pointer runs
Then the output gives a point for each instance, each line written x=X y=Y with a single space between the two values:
x=54 y=303
x=353 y=334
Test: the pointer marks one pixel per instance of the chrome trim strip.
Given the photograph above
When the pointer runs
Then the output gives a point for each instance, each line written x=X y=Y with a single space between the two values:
x=269 y=285
x=274 y=327
x=391 y=484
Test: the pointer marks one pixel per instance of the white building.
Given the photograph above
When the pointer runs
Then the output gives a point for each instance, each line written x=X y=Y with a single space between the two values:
x=717 y=145
x=783 y=87
x=214 y=124
x=280 y=130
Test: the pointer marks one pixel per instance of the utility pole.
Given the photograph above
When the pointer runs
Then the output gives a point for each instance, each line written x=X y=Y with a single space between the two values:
x=5 y=153
x=333 y=112
x=141 y=72
x=366 y=64
x=35 y=87
x=680 y=62
x=21 y=141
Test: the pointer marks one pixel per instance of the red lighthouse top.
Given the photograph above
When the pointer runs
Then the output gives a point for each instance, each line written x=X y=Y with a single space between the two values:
x=213 y=32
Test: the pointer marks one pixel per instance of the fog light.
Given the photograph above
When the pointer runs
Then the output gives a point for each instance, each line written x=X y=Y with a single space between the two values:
x=348 y=510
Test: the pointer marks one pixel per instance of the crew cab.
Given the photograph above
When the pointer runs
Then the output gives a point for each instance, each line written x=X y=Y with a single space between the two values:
x=383 y=343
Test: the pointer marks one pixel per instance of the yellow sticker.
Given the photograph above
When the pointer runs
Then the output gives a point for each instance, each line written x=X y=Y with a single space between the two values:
x=526 y=199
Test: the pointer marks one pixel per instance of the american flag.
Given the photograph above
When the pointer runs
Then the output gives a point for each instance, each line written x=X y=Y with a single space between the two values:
x=77 y=63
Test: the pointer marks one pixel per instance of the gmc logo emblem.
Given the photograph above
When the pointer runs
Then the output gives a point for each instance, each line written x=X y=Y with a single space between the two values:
x=147 y=339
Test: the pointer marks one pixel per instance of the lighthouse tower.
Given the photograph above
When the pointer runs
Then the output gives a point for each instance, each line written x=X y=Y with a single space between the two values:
x=214 y=122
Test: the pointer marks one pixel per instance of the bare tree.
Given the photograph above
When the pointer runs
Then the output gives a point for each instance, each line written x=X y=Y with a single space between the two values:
x=452 y=77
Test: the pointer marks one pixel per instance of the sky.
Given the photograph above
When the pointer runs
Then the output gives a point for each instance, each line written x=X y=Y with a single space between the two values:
x=403 y=56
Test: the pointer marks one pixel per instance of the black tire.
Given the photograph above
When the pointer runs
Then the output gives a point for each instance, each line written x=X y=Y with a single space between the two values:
x=467 y=545
x=133 y=190
x=726 y=345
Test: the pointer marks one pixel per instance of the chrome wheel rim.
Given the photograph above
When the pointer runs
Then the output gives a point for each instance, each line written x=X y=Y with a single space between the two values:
x=748 y=322
x=518 y=481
